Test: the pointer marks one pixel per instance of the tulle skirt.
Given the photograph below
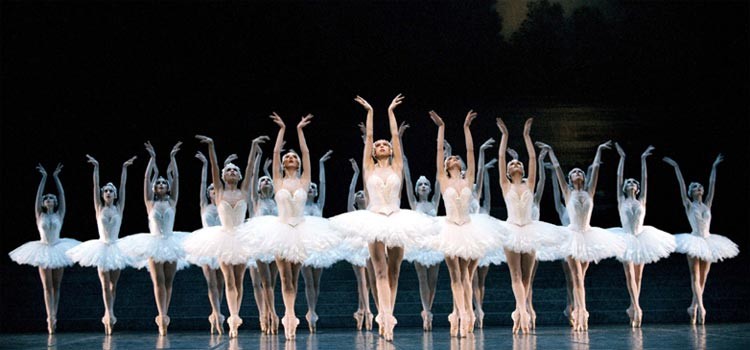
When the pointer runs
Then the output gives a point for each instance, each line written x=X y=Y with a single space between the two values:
x=713 y=248
x=404 y=228
x=494 y=257
x=355 y=251
x=161 y=248
x=426 y=257
x=537 y=236
x=649 y=246
x=325 y=258
x=44 y=255
x=269 y=236
x=216 y=244
x=593 y=244
x=472 y=240
x=105 y=256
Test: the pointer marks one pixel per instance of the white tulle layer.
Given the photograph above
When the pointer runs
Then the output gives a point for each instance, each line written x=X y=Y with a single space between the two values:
x=593 y=244
x=44 y=255
x=354 y=250
x=214 y=244
x=105 y=256
x=426 y=257
x=472 y=240
x=495 y=257
x=537 y=236
x=324 y=259
x=161 y=248
x=713 y=248
x=649 y=246
x=269 y=236
x=405 y=228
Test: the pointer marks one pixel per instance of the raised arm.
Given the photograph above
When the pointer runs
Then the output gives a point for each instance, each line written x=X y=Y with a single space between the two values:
x=481 y=173
x=591 y=189
x=439 y=156
x=123 y=181
x=470 y=162
x=306 y=176
x=559 y=206
x=486 y=193
x=97 y=193
x=254 y=195
x=620 y=173
x=407 y=172
x=562 y=184
x=352 y=186
x=542 y=176
x=680 y=181
x=531 y=176
x=398 y=161
x=712 y=181
x=40 y=192
x=248 y=182
x=204 y=173
x=60 y=191
x=322 y=180
x=367 y=162
x=276 y=167
x=173 y=175
x=502 y=165
x=644 y=174
x=215 y=172
x=148 y=192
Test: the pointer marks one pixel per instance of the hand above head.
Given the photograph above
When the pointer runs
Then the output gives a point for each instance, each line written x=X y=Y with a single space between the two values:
x=326 y=156
x=670 y=161
x=501 y=125
x=260 y=139
x=364 y=103
x=606 y=145
x=175 y=149
x=490 y=164
x=229 y=159
x=129 y=162
x=719 y=159
x=150 y=149
x=396 y=101
x=42 y=170
x=402 y=128
x=267 y=163
x=470 y=116
x=362 y=128
x=620 y=151
x=436 y=118
x=204 y=139
x=57 y=169
x=487 y=144
x=277 y=119
x=543 y=153
x=512 y=153
x=527 y=126
x=355 y=167
x=647 y=152
x=543 y=145
x=92 y=161
x=305 y=121
x=200 y=156
x=447 y=149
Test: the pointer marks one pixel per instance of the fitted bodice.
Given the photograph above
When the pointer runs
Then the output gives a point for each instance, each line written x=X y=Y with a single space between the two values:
x=384 y=194
x=108 y=223
x=210 y=216
x=474 y=206
x=231 y=216
x=579 y=207
x=313 y=210
x=632 y=213
x=161 y=219
x=457 y=205
x=519 y=206
x=426 y=208
x=700 y=219
x=266 y=207
x=291 y=206
x=49 y=227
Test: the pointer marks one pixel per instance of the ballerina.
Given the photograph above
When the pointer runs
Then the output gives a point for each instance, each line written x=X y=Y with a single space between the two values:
x=385 y=226
x=48 y=253
x=526 y=235
x=294 y=236
x=585 y=243
x=105 y=253
x=160 y=249
x=312 y=269
x=701 y=246
x=464 y=238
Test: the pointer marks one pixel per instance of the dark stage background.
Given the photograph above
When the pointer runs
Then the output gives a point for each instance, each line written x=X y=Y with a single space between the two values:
x=104 y=77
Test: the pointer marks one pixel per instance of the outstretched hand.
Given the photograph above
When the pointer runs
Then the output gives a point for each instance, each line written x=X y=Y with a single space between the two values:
x=57 y=169
x=260 y=139
x=129 y=162
x=364 y=103
x=436 y=118
x=512 y=153
x=543 y=153
x=470 y=118
x=501 y=125
x=326 y=156
x=490 y=164
x=620 y=151
x=305 y=121
x=647 y=152
x=719 y=159
x=229 y=159
x=396 y=101
x=543 y=145
x=487 y=144
x=527 y=126
x=204 y=139
x=175 y=149
x=42 y=170
x=277 y=119
x=402 y=128
x=606 y=145
x=150 y=149
x=90 y=160
x=200 y=156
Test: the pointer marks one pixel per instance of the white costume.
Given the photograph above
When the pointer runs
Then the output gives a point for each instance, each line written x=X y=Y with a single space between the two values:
x=161 y=244
x=701 y=243
x=324 y=258
x=645 y=244
x=424 y=256
x=106 y=252
x=49 y=251
x=526 y=235
x=587 y=243
x=223 y=243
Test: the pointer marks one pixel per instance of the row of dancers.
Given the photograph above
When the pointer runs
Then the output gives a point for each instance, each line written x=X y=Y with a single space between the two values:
x=287 y=234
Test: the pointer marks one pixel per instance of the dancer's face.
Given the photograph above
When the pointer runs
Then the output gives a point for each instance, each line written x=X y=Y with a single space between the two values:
x=695 y=190
x=631 y=186
x=423 y=188
x=49 y=201
x=577 y=176
x=108 y=194
x=514 y=167
x=290 y=162
x=382 y=149
x=312 y=191
x=161 y=186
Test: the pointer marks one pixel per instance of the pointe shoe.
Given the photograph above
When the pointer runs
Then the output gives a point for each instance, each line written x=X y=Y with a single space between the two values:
x=390 y=323
x=465 y=322
x=693 y=313
x=163 y=323
x=263 y=319
x=701 y=315
x=453 y=320
x=359 y=316
x=521 y=322
x=234 y=323
x=582 y=320
x=568 y=312
x=217 y=323
x=312 y=320
x=426 y=320
x=638 y=317
x=379 y=321
x=479 y=318
x=631 y=314
x=51 y=325
x=273 y=323
x=472 y=321
x=368 y=320
x=532 y=318
x=290 y=324
x=109 y=322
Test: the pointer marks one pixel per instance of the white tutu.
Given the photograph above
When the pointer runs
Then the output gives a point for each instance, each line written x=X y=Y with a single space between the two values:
x=426 y=257
x=535 y=236
x=355 y=251
x=105 y=256
x=160 y=248
x=270 y=236
x=44 y=255
x=646 y=247
x=593 y=244
x=404 y=228
x=472 y=240
x=494 y=257
x=324 y=258
x=215 y=244
x=713 y=248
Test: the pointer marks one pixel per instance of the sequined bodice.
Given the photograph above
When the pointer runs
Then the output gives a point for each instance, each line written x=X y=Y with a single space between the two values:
x=384 y=194
x=426 y=208
x=519 y=206
x=700 y=219
x=232 y=216
x=108 y=223
x=266 y=207
x=632 y=213
x=457 y=205
x=579 y=207
x=49 y=227
x=210 y=216
x=291 y=206
x=161 y=219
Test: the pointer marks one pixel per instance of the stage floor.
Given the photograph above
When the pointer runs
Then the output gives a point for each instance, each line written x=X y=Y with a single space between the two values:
x=657 y=336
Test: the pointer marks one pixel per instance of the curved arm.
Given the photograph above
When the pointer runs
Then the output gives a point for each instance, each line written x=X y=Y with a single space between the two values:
x=398 y=161
x=204 y=174
x=322 y=180
x=267 y=166
x=276 y=167
x=352 y=186
x=123 y=181
x=60 y=192
x=562 y=184
x=40 y=192
x=531 y=176
x=439 y=155
x=215 y=172
x=559 y=206
x=367 y=162
x=680 y=181
x=486 y=193
x=173 y=175
x=97 y=190
x=542 y=177
x=502 y=165
x=644 y=174
x=407 y=172
x=305 y=176
x=479 y=182
x=148 y=192
x=470 y=162
x=620 y=173
x=254 y=195
x=250 y=170
x=591 y=189
x=712 y=181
